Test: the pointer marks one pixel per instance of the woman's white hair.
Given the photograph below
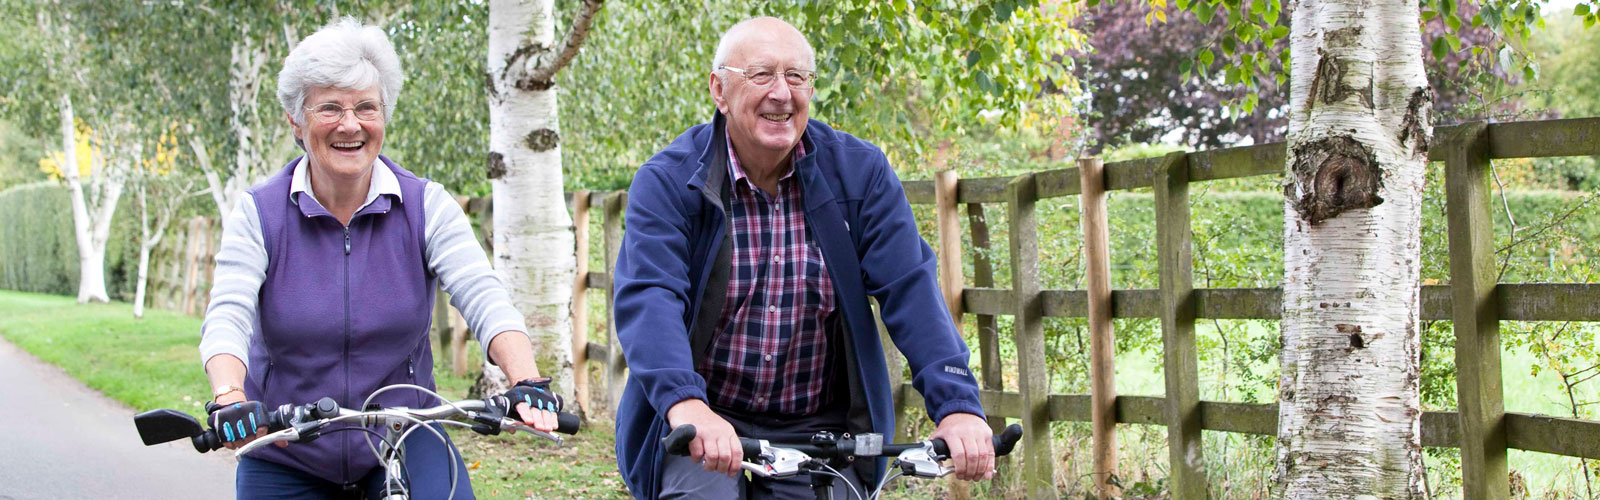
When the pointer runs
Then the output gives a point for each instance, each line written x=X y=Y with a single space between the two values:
x=345 y=54
x=736 y=35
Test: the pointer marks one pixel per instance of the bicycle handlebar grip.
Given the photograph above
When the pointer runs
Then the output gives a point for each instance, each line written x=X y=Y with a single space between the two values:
x=567 y=423
x=1007 y=440
x=1003 y=443
x=677 y=441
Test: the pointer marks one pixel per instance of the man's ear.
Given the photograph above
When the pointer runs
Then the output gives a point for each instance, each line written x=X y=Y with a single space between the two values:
x=715 y=87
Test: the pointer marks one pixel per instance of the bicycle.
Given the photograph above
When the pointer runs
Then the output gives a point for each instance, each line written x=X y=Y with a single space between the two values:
x=825 y=453
x=303 y=423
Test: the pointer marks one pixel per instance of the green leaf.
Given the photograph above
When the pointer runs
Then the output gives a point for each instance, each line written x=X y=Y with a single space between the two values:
x=1439 y=49
x=1279 y=32
x=1184 y=67
x=1453 y=21
x=1228 y=46
x=1093 y=3
x=1184 y=4
x=1477 y=20
x=1202 y=10
x=1581 y=9
x=1428 y=15
x=1206 y=57
x=973 y=56
x=1529 y=74
x=1454 y=41
x=1233 y=75
x=1588 y=22
x=1271 y=17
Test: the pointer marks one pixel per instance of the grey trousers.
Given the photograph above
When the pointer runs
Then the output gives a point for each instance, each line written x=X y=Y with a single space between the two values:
x=684 y=479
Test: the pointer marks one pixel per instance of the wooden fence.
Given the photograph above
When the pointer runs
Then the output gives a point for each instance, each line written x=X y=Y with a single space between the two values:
x=1473 y=301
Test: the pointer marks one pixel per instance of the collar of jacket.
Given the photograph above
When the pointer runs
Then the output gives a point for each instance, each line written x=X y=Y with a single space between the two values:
x=713 y=171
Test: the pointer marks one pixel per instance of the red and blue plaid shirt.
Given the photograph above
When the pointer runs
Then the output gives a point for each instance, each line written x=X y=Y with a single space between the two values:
x=771 y=352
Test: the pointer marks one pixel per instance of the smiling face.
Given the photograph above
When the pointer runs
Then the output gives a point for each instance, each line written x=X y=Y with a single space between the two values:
x=764 y=122
x=342 y=150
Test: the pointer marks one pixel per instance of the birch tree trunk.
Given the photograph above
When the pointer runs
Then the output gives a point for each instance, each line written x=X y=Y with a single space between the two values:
x=1359 y=128
x=91 y=215
x=533 y=235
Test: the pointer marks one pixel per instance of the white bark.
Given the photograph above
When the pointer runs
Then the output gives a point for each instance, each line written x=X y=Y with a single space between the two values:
x=167 y=207
x=533 y=237
x=1349 y=405
x=247 y=60
x=91 y=212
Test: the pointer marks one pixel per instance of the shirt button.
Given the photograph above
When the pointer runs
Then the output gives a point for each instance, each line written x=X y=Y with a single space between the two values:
x=767 y=357
x=772 y=309
x=775 y=257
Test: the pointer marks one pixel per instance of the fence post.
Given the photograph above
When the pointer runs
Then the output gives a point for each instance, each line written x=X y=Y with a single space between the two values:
x=1102 y=338
x=580 y=308
x=1038 y=473
x=1475 y=315
x=1186 y=455
x=988 y=326
x=950 y=276
x=616 y=366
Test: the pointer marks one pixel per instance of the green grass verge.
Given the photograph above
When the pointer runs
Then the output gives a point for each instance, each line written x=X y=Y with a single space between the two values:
x=153 y=363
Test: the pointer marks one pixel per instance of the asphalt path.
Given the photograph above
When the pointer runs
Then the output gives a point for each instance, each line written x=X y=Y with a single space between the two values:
x=60 y=439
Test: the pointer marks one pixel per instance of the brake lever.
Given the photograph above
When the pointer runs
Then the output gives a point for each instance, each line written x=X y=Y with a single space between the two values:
x=515 y=425
x=922 y=462
x=776 y=462
x=289 y=434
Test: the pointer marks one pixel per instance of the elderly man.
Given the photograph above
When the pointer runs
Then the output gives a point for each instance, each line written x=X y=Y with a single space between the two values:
x=752 y=245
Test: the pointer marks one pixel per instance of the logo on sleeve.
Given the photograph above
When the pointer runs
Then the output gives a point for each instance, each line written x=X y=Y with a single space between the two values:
x=956 y=370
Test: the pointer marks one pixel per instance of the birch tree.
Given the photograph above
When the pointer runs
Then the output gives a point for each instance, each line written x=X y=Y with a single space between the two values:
x=1349 y=418
x=93 y=201
x=533 y=235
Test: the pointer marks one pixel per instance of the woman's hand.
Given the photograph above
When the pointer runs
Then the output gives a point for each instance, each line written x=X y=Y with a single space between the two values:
x=236 y=421
x=532 y=402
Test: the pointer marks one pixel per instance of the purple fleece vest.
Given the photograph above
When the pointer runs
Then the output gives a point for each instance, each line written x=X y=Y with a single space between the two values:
x=342 y=313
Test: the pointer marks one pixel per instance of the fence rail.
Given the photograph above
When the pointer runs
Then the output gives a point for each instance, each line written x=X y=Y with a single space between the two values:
x=1473 y=302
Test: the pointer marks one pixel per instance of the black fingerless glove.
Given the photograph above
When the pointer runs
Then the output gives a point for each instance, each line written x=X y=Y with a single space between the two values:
x=535 y=392
x=237 y=421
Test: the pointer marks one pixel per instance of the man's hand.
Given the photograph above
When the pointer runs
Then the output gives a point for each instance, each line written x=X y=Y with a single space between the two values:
x=715 y=444
x=971 y=445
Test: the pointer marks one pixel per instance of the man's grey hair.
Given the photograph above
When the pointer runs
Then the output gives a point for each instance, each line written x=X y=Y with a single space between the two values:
x=736 y=33
x=346 y=55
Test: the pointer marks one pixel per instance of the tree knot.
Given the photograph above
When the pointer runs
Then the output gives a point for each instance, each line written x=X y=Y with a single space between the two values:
x=1335 y=174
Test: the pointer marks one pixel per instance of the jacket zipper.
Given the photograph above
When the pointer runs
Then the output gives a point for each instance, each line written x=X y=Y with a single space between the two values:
x=346 y=444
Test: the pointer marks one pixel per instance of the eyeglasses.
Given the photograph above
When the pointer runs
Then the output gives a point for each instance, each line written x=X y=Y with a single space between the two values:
x=332 y=113
x=797 y=79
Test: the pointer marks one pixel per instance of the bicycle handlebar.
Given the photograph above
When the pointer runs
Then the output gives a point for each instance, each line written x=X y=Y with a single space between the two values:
x=677 y=443
x=164 y=425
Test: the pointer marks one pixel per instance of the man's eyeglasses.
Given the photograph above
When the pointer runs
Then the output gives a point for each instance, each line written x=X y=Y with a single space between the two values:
x=331 y=113
x=797 y=79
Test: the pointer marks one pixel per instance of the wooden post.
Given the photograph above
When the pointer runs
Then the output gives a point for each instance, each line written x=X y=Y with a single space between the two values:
x=1102 y=338
x=950 y=278
x=1180 y=361
x=1475 y=315
x=1038 y=474
x=580 y=309
x=616 y=366
x=988 y=327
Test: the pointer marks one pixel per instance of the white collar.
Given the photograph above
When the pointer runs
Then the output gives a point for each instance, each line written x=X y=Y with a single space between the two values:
x=383 y=182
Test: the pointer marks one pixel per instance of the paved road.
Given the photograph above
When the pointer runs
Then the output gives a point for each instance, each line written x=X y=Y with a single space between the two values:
x=62 y=440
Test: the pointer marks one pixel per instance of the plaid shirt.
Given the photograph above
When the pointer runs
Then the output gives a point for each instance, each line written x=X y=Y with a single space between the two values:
x=771 y=353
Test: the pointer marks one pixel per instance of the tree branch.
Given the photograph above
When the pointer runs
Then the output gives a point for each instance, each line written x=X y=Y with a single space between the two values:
x=575 y=37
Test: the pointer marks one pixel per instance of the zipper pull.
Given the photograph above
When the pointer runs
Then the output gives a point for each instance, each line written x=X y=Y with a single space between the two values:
x=347 y=240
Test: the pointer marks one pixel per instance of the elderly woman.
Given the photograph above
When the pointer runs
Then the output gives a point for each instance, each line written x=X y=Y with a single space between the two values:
x=325 y=284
